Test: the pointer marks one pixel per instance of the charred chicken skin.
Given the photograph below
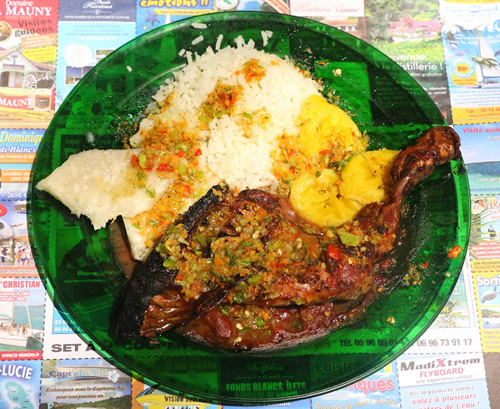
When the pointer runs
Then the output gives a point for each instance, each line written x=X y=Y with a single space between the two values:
x=248 y=261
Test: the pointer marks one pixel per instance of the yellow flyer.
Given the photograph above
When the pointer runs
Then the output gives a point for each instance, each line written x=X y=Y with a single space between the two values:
x=487 y=288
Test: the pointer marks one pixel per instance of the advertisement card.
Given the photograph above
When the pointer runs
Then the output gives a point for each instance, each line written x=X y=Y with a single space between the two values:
x=443 y=381
x=410 y=33
x=81 y=46
x=20 y=385
x=488 y=301
x=471 y=37
x=60 y=340
x=319 y=8
x=83 y=383
x=21 y=318
x=148 y=397
x=376 y=391
x=19 y=146
x=97 y=10
x=16 y=258
x=481 y=147
x=152 y=14
x=28 y=42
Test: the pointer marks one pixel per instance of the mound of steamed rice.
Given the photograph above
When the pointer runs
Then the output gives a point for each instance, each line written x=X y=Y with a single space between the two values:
x=232 y=150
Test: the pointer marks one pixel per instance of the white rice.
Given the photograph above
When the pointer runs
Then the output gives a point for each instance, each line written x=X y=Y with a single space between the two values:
x=218 y=43
x=266 y=35
x=240 y=155
x=197 y=40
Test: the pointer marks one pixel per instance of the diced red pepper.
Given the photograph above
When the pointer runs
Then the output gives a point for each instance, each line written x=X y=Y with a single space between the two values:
x=455 y=251
x=165 y=167
x=197 y=152
x=180 y=154
x=325 y=152
x=333 y=252
x=187 y=190
x=134 y=160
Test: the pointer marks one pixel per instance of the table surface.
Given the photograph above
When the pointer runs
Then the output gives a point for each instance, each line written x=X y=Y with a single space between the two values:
x=451 y=47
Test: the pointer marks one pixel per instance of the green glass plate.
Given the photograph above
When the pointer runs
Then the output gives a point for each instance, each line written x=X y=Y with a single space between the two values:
x=79 y=269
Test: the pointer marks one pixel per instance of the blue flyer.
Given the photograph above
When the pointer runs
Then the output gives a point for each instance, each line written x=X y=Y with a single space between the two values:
x=81 y=46
x=19 y=384
x=97 y=10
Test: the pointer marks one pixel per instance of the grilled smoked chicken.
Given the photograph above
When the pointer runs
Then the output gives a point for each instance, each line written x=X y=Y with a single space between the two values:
x=245 y=272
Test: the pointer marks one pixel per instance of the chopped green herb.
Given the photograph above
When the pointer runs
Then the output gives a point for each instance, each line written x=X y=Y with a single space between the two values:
x=246 y=262
x=348 y=239
x=168 y=263
x=239 y=296
x=255 y=279
x=259 y=321
x=151 y=193
x=201 y=239
x=341 y=164
x=232 y=257
x=143 y=161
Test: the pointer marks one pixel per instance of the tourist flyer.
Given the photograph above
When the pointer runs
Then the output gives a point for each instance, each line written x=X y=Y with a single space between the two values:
x=20 y=384
x=16 y=259
x=82 y=45
x=152 y=14
x=489 y=309
x=60 y=341
x=376 y=391
x=97 y=10
x=442 y=381
x=83 y=383
x=28 y=41
x=14 y=182
x=321 y=8
x=22 y=310
x=146 y=396
x=409 y=33
x=347 y=16
x=483 y=171
x=471 y=37
x=19 y=146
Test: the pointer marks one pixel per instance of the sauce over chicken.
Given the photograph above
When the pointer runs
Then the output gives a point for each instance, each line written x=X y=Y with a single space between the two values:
x=245 y=272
